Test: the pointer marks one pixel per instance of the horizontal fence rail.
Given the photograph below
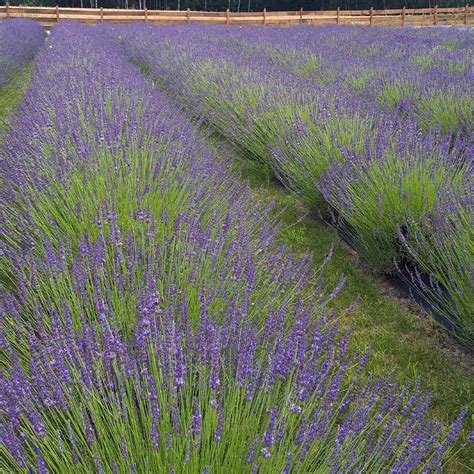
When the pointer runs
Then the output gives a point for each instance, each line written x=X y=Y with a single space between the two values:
x=399 y=17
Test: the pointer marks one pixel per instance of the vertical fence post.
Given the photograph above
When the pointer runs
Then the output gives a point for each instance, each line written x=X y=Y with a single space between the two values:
x=8 y=10
x=188 y=16
x=371 y=15
x=145 y=11
x=466 y=8
x=101 y=14
x=435 y=15
x=227 y=17
x=337 y=15
x=57 y=13
x=264 y=16
x=403 y=15
x=301 y=16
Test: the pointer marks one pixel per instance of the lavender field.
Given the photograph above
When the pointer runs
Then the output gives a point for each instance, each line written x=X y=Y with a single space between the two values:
x=153 y=318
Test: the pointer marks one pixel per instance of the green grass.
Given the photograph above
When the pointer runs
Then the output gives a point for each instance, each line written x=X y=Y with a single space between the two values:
x=11 y=94
x=402 y=338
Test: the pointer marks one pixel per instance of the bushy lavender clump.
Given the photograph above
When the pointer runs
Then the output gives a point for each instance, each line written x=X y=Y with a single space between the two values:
x=358 y=137
x=441 y=246
x=387 y=185
x=171 y=391
x=411 y=204
x=20 y=39
x=120 y=167
x=149 y=323
x=117 y=353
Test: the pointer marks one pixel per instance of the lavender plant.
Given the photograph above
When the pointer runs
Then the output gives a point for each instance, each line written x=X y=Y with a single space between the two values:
x=389 y=184
x=442 y=243
x=20 y=39
x=149 y=321
x=170 y=393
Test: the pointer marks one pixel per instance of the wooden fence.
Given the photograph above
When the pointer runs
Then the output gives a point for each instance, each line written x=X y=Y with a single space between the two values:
x=401 y=17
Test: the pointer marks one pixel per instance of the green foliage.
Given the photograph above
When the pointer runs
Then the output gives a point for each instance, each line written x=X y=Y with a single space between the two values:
x=392 y=94
x=324 y=143
x=11 y=94
x=448 y=255
x=447 y=112
x=390 y=192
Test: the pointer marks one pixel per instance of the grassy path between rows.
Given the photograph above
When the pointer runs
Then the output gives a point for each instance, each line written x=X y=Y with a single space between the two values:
x=402 y=339
x=401 y=336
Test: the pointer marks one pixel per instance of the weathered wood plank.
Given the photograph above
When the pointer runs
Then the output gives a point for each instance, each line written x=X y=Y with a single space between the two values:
x=391 y=17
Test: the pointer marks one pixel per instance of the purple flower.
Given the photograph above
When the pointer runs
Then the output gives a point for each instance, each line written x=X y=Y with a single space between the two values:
x=269 y=435
x=196 y=423
x=220 y=422
x=252 y=450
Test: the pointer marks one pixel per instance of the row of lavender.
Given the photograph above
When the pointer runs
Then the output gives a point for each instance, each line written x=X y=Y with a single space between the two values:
x=373 y=129
x=19 y=41
x=149 y=322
